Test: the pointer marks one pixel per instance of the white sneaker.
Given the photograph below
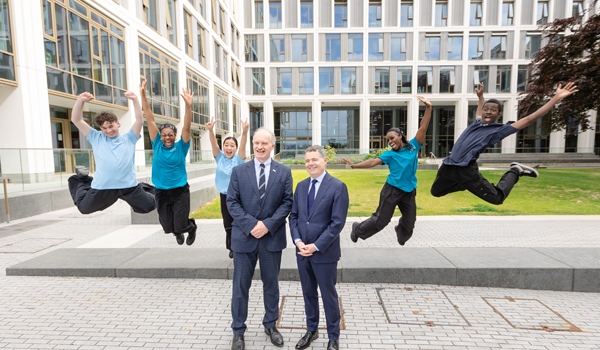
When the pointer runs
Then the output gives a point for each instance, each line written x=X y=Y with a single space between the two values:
x=524 y=170
x=80 y=170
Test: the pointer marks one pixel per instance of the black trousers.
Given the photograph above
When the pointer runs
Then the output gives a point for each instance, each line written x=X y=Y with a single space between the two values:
x=389 y=198
x=89 y=200
x=227 y=220
x=453 y=178
x=173 y=207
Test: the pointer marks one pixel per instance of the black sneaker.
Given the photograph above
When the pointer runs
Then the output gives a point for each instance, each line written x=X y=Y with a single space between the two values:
x=179 y=237
x=524 y=170
x=81 y=171
x=353 y=236
x=191 y=237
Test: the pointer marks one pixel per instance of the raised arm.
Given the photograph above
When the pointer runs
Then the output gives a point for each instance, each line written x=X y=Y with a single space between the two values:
x=479 y=93
x=139 y=116
x=77 y=113
x=213 y=139
x=186 y=132
x=425 y=121
x=561 y=93
x=242 y=149
x=369 y=163
x=152 y=128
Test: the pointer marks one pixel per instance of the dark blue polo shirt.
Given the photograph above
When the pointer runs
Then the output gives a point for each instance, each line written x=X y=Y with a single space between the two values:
x=476 y=138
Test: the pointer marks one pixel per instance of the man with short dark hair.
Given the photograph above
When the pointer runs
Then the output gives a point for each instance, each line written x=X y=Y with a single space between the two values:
x=114 y=157
x=318 y=216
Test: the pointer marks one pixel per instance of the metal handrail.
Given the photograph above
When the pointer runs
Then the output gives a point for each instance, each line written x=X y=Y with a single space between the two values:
x=6 y=179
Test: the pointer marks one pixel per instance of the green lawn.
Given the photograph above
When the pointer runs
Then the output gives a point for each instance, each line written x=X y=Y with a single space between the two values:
x=555 y=192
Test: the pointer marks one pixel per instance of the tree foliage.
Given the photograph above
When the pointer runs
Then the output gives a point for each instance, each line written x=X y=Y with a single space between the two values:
x=572 y=54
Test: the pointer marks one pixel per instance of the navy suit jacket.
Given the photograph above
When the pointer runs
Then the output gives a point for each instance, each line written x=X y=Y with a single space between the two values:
x=326 y=220
x=244 y=204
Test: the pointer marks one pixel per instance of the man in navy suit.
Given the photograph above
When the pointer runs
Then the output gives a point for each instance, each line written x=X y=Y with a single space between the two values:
x=259 y=199
x=318 y=216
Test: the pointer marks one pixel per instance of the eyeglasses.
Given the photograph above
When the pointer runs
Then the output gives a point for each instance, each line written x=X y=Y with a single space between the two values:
x=167 y=125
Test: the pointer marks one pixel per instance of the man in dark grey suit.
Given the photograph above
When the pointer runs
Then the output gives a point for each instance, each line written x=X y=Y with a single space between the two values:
x=259 y=199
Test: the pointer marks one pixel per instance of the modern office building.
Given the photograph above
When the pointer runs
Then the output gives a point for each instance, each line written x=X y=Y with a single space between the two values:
x=338 y=72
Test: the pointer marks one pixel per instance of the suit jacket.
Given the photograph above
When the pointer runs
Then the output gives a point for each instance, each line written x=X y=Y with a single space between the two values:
x=326 y=220
x=246 y=208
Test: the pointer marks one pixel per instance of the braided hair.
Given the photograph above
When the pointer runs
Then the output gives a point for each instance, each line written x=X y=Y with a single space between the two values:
x=169 y=126
x=404 y=140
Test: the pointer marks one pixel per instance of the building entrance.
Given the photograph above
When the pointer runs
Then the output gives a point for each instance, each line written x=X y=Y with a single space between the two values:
x=69 y=145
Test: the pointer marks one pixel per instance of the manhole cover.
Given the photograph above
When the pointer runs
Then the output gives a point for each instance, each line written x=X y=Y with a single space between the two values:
x=32 y=245
x=292 y=316
x=24 y=227
x=530 y=314
x=430 y=307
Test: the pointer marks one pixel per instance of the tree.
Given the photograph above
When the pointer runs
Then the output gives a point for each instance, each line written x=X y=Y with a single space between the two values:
x=573 y=57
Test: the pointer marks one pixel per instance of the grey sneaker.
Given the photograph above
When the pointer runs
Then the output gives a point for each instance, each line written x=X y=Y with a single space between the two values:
x=524 y=170
x=81 y=171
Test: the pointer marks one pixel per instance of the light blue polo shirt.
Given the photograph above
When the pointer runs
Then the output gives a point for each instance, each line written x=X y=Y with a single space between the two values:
x=168 y=165
x=114 y=158
x=224 y=168
x=403 y=166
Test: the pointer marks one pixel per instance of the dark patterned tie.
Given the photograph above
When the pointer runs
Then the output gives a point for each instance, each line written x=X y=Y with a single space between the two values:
x=261 y=182
x=311 y=195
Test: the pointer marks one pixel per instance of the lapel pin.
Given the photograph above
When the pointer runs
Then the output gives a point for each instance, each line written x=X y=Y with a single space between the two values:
x=274 y=170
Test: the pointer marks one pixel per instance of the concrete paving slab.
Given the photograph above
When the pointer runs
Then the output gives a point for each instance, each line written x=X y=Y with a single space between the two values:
x=396 y=265
x=585 y=261
x=177 y=263
x=75 y=262
x=522 y=268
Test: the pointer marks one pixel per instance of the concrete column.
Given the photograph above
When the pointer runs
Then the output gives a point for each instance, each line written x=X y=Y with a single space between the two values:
x=316 y=123
x=461 y=119
x=510 y=113
x=557 y=142
x=412 y=118
x=364 y=126
x=585 y=140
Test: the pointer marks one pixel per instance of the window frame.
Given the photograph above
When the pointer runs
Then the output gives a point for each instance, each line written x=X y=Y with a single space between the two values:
x=509 y=20
x=480 y=46
x=379 y=74
x=352 y=45
x=310 y=16
x=451 y=79
x=378 y=14
x=428 y=70
x=199 y=98
x=279 y=8
x=409 y=13
x=507 y=69
x=188 y=41
x=259 y=8
x=544 y=16
x=380 y=46
x=280 y=72
x=478 y=13
x=145 y=9
x=280 y=53
x=501 y=55
x=528 y=45
x=221 y=116
x=302 y=79
x=201 y=45
x=401 y=37
x=427 y=53
x=261 y=81
x=520 y=69
x=13 y=43
x=329 y=38
x=352 y=72
x=343 y=5
x=443 y=20
x=477 y=78
x=330 y=80
x=304 y=44
x=401 y=71
x=248 y=40
x=450 y=53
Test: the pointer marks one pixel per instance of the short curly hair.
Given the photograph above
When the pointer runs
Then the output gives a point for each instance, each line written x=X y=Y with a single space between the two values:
x=105 y=116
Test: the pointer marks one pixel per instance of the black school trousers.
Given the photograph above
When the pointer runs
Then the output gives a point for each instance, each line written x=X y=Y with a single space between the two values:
x=454 y=178
x=227 y=220
x=173 y=207
x=89 y=200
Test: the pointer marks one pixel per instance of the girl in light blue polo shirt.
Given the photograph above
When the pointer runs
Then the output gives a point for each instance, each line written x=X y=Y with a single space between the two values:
x=226 y=160
x=400 y=187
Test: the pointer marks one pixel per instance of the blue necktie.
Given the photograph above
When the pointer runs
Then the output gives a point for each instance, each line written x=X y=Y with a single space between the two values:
x=311 y=195
x=261 y=182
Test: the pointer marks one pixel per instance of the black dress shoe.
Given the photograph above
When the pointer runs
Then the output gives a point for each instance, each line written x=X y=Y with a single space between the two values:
x=191 y=237
x=305 y=341
x=179 y=237
x=333 y=345
x=238 y=342
x=231 y=254
x=276 y=337
x=353 y=235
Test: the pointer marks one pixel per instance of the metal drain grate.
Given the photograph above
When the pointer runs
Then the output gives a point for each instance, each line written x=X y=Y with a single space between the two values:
x=430 y=307
x=292 y=316
x=530 y=314
x=32 y=245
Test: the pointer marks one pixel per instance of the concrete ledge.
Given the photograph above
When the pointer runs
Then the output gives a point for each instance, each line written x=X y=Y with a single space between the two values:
x=561 y=269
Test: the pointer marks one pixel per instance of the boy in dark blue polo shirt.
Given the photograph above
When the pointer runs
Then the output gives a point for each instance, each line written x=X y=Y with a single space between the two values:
x=459 y=170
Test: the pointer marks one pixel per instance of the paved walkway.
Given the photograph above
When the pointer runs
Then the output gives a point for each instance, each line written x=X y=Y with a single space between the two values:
x=131 y=313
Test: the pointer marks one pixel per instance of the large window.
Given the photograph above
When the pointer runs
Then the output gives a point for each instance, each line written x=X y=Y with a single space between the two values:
x=251 y=48
x=348 y=80
x=277 y=48
x=532 y=45
x=84 y=51
x=577 y=10
x=425 y=80
x=7 y=57
x=332 y=47
x=217 y=54
x=299 y=47
x=237 y=112
x=503 y=79
x=522 y=78
x=476 y=13
x=306 y=82
x=439 y=138
x=404 y=83
x=441 y=14
x=481 y=75
x=341 y=14
x=259 y=15
x=432 y=48
x=498 y=47
x=455 y=48
x=325 y=81
x=476 y=47
x=161 y=73
x=406 y=14
x=398 y=47
x=149 y=7
x=447 y=80
x=258 y=81
x=201 y=46
x=381 y=120
x=355 y=47
x=275 y=19
x=382 y=80
x=284 y=81
x=200 y=107
x=222 y=110
x=340 y=127
x=188 y=42
x=375 y=47
x=306 y=14
x=508 y=13
x=542 y=12
x=172 y=22
x=293 y=131
x=375 y=14
x=533 y=138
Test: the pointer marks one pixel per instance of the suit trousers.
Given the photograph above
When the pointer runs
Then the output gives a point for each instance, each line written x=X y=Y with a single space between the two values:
x=325 y=277
x=227 y=220
x=243 y=271
x=389 y=198
x=173 y=207
x=453 y=178
x=89 y=200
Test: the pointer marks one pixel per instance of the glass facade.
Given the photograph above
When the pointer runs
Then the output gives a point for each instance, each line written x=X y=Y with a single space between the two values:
x=533 y=138
x=222 y=110
x=293 y=131
x=162 y=88
x=200 y=108
x=439 y=139
x=340 y=127
x=381 y=120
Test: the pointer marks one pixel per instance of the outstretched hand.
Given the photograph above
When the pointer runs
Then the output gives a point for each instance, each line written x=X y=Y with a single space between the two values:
x=187 y=96
x=210 y=124
x=479 y=90
x=569 y=89
x=245 y=126
x=86 y=97
x=143 y=88
x=131 y=96
x=348 y=163
x=425 y=101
